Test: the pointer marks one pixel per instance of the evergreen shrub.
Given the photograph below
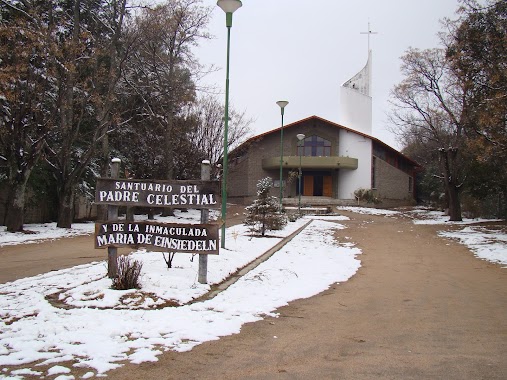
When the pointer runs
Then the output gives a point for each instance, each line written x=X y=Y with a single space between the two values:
x=265 y=213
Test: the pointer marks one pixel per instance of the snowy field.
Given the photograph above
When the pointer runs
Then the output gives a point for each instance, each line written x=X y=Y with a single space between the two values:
x=72 y=315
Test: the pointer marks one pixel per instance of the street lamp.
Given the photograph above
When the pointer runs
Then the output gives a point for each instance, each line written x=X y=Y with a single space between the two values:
x=229 y=7
x=282 y=104
x=300 y=137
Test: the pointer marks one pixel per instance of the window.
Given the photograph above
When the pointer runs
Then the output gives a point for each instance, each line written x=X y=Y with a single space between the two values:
x=410 y=184
x=315 y=146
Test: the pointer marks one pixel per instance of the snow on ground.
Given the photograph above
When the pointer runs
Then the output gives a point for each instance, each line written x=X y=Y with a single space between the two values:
x=486 y=243
x=100 y=327
x=426 y=216
x=369 y=210
x=47 y=231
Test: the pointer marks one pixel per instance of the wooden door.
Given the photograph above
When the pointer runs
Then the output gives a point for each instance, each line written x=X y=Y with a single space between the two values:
x=328 y=186
x=308 y=185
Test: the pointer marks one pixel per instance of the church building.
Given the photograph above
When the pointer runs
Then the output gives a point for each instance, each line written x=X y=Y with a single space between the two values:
x=335 y=159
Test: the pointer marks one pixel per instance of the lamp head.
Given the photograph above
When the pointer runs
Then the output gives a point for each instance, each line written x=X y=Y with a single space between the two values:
x=282 y=103
x=229 y=6
x=300 y=136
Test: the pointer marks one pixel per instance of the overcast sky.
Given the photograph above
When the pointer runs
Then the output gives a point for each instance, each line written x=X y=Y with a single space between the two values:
x=303 y=51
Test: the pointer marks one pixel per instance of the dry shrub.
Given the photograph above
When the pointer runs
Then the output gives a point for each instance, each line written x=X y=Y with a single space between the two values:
x=367 y=195
x=128 y=274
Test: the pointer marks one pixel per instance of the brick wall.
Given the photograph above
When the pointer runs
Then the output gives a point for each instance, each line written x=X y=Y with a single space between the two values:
x=244 y=174
x=247 y=171
x=238 y=177
x=391 y=183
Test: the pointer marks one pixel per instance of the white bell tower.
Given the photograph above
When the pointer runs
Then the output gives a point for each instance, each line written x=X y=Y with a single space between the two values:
x=356 y=114
x=355 y=97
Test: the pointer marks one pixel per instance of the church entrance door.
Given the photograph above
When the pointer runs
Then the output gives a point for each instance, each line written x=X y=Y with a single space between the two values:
x=328 y=186
x=317 y=185
x=308 y=185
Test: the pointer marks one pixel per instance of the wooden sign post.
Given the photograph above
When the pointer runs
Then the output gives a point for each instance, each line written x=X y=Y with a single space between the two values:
x=112 y=215
x=195 y=238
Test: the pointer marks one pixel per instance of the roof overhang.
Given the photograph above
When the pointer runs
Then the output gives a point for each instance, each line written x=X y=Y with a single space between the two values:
x=307 y=163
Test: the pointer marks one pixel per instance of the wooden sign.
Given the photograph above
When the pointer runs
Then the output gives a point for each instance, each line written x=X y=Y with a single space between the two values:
x=195 y=238
x=176 y=194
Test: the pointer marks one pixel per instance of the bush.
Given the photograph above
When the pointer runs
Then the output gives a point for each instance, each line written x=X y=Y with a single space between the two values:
x=128 y=274
x=492 y=206
x=367 y=196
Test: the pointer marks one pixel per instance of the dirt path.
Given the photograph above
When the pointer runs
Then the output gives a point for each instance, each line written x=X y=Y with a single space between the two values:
x=421 y=307
x=27 y=260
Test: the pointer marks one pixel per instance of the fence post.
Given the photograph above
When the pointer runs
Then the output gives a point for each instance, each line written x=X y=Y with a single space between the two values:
x=112 y=216
x=203 y=259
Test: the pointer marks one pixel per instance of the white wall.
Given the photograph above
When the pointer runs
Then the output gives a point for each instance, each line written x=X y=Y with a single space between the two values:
x=355 y=146
x=356 y=114
x=355 y=110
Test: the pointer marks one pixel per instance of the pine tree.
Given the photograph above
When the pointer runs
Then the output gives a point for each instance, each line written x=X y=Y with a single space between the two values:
x=264 y=213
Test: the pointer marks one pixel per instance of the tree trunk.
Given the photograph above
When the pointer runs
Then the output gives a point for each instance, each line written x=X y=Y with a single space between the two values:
x=65 y=207
x=14 y=213
x=448 y=158
x=502 y=204
x=263 y=225
x=169 y=158
x=454 y=204
x=104 y=173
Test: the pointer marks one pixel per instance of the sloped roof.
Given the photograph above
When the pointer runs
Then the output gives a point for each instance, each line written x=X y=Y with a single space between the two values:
x=256 y=138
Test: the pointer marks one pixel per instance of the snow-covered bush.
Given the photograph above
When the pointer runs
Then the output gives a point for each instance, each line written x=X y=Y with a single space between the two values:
x=264 y=213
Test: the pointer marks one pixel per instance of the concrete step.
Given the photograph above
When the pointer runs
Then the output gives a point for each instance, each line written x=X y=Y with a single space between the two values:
x=318 y=201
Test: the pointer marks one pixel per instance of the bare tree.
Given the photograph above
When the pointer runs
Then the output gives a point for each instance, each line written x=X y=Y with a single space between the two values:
x=208 y=136
x=430 y=104
x=160 y=74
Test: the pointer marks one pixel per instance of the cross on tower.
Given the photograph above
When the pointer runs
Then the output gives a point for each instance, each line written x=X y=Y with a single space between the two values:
x=369 y=33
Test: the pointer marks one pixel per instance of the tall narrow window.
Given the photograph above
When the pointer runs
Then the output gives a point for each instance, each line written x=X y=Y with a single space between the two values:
x=315 y=146
x=410 y=184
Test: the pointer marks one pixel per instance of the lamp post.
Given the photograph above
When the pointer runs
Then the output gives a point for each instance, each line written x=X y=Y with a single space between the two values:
x=300 y=137
x=229 y=7
x=282 y=104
